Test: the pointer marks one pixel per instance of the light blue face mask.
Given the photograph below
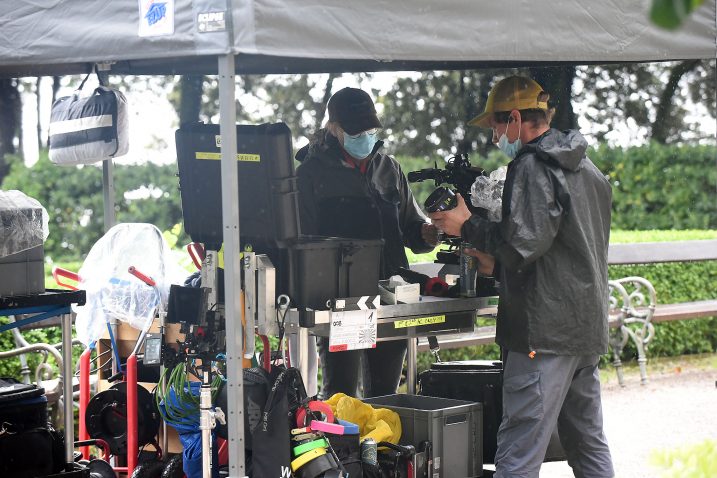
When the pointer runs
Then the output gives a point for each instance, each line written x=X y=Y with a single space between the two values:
x=360 y=145
x=510 y=149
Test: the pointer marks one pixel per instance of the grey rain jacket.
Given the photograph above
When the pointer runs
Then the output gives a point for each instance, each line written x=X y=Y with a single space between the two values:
x=551 y=249
x=336 y=199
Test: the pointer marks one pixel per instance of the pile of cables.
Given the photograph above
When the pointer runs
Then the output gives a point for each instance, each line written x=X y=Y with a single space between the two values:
x=178 y=401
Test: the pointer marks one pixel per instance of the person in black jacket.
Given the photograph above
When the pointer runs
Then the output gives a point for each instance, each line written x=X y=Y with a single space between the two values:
x=549 y=252
x=349 y=188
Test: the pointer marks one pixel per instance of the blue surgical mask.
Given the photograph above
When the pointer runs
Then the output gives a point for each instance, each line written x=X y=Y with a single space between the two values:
x=360 y=145
x=510 y=149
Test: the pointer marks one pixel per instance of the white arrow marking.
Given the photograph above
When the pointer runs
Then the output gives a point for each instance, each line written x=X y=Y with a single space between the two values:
x=362 y=303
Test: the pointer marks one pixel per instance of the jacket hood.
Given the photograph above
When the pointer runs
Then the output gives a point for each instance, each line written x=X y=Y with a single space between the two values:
x=566 y=148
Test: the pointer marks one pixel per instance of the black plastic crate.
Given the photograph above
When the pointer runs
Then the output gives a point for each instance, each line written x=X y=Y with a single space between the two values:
x=323 y=268
x=268 y=193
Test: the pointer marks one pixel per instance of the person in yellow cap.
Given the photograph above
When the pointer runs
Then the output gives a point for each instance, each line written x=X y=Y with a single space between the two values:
x=549 y=252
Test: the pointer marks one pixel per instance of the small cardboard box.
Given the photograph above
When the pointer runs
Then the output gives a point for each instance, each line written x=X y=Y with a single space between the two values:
x=392 y=293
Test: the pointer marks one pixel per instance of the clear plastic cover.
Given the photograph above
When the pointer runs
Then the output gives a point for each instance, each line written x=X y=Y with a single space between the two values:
x=112 y=292
x=23 y=221
x=487 y=192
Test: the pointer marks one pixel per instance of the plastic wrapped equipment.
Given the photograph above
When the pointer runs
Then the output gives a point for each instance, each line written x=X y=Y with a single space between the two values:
x=112 y=292
x=487 y=193
x=23 y=221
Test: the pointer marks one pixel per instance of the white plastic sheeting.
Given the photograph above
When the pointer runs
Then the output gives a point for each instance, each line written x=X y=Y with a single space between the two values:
x=112 y=292
x=23 y=223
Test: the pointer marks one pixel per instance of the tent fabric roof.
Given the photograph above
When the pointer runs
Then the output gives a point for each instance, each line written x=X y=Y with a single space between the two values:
x=46 y=37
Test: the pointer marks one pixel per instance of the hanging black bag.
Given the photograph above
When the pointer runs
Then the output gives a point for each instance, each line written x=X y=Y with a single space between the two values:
x=271 y=453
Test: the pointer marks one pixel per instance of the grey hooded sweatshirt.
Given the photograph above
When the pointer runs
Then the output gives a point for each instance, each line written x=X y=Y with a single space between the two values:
x=551 y=249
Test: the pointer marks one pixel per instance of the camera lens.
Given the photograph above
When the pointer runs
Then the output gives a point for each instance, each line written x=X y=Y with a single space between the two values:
x=442 y=199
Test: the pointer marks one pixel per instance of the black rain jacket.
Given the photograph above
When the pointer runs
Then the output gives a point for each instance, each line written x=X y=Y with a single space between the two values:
x=336 y=199
x=551 y=249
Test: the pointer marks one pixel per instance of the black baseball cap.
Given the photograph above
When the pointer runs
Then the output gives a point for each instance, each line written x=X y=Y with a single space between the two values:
x=353 y=110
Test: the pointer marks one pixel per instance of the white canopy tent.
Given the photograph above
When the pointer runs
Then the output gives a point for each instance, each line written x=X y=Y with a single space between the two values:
x=289 y=36
x=226 y=37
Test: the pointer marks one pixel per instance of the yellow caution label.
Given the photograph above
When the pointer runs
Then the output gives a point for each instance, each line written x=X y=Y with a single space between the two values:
x=252 y=158
x=436 y=319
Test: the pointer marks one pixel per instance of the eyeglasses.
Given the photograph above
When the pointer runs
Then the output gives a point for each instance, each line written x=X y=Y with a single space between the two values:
x=369 y=132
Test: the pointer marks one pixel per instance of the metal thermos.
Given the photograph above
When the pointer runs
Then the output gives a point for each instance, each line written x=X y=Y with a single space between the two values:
x=468 y=272
x=369 y=451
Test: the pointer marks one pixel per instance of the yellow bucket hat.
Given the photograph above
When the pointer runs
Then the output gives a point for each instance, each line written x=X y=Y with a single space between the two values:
x=512 y=93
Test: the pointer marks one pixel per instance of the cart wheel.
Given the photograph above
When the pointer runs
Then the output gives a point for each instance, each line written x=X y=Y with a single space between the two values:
x=173 y=468
x=149 y=469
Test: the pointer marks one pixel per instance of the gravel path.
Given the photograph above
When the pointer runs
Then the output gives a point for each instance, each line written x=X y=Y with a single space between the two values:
x=677 y=407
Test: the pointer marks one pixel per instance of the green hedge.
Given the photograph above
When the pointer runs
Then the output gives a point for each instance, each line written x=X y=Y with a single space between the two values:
x=661 y=187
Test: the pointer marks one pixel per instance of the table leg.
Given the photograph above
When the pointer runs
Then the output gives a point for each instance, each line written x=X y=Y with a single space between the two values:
x=411 y=357
x=67 y=375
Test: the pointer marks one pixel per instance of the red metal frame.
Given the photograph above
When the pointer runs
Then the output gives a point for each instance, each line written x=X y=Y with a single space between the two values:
x=59 y=274
x=132 y=445
x=84 y=399
x=196 y=252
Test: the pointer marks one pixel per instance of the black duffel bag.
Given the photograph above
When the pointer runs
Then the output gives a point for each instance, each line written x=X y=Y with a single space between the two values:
x=30 y=453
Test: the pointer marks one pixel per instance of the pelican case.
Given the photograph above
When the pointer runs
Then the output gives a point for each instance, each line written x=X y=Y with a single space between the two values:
x=268 y=194
x=481 y=381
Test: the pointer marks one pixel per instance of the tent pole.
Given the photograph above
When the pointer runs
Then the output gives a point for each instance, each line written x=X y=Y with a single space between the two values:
x=108 y=200
x=108 y=193
x=230 y=221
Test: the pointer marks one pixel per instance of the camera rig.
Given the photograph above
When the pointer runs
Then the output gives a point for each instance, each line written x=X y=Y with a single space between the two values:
x=459 y=173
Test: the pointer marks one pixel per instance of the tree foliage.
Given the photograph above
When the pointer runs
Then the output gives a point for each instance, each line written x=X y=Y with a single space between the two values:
x=298 y=100
x=650 y=100
x=426 y=114
x=73 y=199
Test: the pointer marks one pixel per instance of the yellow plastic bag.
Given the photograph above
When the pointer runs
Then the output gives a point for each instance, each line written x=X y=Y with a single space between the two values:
x=381 y=424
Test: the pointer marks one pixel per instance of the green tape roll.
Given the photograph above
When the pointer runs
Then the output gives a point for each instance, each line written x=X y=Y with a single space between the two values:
x=306 y=447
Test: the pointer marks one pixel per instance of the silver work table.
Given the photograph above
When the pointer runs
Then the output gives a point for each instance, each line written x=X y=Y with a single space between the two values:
x=430 y=316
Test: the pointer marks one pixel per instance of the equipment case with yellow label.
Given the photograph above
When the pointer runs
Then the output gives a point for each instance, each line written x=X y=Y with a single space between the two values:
x=268 y=201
